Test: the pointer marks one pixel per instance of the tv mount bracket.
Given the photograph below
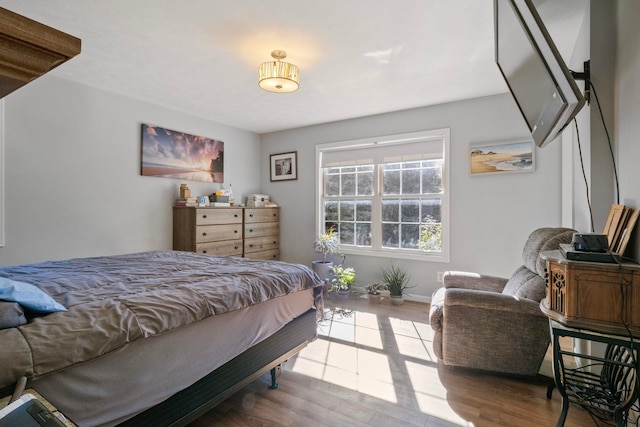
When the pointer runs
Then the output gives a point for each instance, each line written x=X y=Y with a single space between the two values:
x=586 y=76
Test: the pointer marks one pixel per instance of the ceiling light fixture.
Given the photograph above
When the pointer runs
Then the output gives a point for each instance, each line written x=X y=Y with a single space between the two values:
x=278 y=76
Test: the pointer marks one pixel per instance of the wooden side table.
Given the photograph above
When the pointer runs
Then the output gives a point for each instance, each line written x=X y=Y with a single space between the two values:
x=5 y=401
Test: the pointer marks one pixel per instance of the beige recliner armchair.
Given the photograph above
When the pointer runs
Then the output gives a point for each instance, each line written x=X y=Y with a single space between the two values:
x=493 y=323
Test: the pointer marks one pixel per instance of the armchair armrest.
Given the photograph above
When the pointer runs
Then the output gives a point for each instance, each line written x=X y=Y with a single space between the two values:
x=467 y=280
x=461 y=299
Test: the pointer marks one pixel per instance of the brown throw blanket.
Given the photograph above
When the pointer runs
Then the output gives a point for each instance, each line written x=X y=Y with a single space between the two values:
x=115 y=300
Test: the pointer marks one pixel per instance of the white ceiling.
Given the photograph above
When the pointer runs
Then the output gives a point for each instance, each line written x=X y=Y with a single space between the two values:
x=356 y=57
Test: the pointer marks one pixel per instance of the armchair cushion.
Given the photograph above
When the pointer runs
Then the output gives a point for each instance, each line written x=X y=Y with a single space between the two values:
x=525 y=284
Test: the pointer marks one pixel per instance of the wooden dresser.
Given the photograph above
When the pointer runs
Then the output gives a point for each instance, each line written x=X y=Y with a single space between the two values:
x=234 y=231
x=262 y=233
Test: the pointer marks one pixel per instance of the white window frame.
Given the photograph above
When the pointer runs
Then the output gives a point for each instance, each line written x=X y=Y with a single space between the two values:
x=442 y=134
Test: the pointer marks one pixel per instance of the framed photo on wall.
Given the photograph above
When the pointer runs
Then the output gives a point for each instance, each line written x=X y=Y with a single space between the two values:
x=502 y=157
x=284 y=166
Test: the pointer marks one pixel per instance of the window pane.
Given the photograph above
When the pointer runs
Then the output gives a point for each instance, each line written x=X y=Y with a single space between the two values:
x=410 y=210
x=330 y=210
x=390 y=235
x=432 y=177
x=431 y=209
x=390 y=181
x=348 y=186
x=332 y=185
x=390 y=210
x=365 y=183
x=363 y=234
x=363 y=210
x=410 y=236
x=411 y=181
x=347 y=210
x=346 y=233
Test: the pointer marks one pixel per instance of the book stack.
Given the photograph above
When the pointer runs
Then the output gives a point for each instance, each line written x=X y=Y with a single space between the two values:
x=619 y=226
x=186 y=201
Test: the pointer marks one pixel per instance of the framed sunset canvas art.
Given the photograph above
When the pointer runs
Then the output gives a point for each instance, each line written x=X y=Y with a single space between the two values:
x=171 y=154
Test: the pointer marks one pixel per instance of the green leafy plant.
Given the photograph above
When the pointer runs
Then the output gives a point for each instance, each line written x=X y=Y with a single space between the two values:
x=374 y=289
x=342 y=278
x=327 y=243
x=430 y=236
x=395 y=280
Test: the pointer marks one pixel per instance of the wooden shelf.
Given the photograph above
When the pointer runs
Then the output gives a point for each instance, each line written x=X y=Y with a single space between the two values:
x=29 y=49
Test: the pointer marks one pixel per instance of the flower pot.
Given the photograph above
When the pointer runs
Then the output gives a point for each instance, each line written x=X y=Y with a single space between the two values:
x=343 y=293
x=397 y=299
x=375 y=299
x=322 y=269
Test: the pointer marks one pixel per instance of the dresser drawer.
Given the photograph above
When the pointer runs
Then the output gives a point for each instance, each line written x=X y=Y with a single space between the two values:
x=224 y=248
x=218 y=216
x=266 y=255
x=261 y=229
x=261 y=243
x=214 y=233
x=261 y=215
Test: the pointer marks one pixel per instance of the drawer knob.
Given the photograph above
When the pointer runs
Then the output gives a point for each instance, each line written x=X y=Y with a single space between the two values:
x=235 y=215
x=251 y=230
x=251 y=246
x=204 y=251
x=204 y=234
x=274 y=242
x=204 y=216
x=235 y=231
x=250 y=215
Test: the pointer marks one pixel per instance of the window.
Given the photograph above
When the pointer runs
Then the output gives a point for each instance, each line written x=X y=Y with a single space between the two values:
x=387 y=196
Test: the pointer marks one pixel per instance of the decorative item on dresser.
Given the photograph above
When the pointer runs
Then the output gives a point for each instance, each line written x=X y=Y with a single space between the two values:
x=233 y=231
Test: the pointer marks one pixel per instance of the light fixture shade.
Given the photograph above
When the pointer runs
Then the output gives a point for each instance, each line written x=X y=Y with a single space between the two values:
x=278 y=76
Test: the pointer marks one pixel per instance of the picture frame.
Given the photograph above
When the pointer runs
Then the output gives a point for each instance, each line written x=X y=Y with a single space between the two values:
x=173 y=154
x=284 y=166
x=514 y=156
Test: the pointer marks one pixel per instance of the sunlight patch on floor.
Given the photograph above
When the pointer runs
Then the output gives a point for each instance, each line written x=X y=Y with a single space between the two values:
x=352 y=351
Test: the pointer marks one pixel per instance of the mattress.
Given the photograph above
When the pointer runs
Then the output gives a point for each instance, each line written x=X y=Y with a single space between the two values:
x=115 y=387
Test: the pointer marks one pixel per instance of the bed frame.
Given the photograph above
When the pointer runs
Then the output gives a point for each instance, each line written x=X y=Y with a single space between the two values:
x=268 y=355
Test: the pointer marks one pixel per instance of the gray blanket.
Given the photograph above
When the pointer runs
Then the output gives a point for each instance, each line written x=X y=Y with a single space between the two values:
x=115 y=300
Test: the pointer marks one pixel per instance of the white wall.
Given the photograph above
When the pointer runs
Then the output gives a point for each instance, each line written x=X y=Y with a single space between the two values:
x=491 y=215
x=72 y=172
x=627 y=101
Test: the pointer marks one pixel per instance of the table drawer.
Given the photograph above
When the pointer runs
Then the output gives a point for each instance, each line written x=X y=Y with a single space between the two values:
x=224 y=248
x=266 y=255
x=261 y=230
x=218 y=216
x=214 y=233
x=261 y=215
x=261 y=243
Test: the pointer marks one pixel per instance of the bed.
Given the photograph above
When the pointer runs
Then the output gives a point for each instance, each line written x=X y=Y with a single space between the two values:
x=156 y=338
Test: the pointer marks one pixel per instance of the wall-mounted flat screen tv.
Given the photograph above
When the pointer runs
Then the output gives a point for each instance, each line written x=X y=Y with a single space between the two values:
x=537 y=77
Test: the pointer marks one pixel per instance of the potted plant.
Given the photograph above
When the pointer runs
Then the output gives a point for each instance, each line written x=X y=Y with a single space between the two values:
x=395 y=280
x=326 y=243
x=341 y=280
x=374 y=291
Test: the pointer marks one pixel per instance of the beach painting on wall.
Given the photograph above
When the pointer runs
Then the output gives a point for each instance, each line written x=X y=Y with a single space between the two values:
x=501 y=157
x=171 y=154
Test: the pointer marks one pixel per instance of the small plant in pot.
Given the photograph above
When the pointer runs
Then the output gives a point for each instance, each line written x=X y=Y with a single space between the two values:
x=395 y=280
x=341 y=280
x=326 y=243
x=374 y=291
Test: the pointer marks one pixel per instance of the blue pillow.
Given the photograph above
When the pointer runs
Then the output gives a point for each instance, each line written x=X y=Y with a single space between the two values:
x=28 y=296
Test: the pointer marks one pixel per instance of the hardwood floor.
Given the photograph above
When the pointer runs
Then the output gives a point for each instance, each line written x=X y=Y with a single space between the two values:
x=373 y=365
